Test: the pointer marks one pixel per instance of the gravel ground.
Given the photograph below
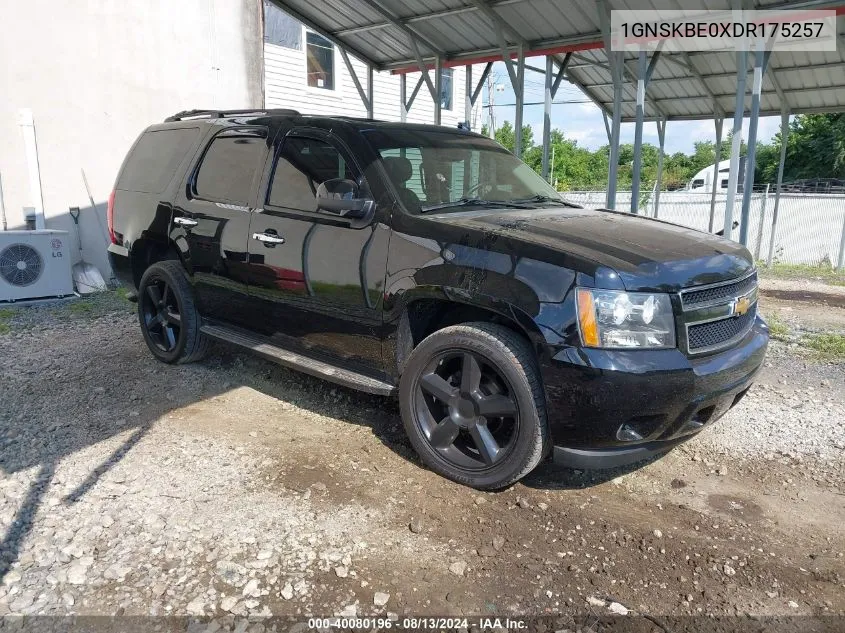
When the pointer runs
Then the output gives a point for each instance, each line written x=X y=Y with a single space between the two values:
x=234 y=489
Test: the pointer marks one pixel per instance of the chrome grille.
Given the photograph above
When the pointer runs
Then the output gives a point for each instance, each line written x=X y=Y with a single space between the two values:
x=718 y=293
x=717 y=316
x=707 y=336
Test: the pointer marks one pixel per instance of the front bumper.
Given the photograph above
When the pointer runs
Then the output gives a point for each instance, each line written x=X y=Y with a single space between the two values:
x=608 y=408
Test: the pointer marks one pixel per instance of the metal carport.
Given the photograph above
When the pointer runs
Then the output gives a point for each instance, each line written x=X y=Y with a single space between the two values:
x=573 y=35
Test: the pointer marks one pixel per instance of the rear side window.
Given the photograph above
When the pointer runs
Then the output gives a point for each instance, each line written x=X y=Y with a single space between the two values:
x=228 y=168
x=152 y=163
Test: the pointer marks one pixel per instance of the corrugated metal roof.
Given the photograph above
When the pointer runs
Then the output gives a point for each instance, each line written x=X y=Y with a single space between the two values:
x=693 y=86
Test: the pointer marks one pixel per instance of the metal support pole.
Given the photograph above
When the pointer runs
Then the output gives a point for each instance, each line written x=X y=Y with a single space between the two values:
x=762 y=221
x=638 y=133
x=784 y=136
x=519 y=91
x=468 y=96
x=761 y=58
x=403 y=101
x=658 y=183
x=547 y=115
x=371 y=94
x=840 y=266
x=438 y=88
x=736 y=140
x=613 y=166
x=719 y=121
x=27 y=126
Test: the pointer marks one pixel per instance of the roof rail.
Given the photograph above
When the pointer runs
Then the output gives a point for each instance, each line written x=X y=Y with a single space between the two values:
x=218 y=114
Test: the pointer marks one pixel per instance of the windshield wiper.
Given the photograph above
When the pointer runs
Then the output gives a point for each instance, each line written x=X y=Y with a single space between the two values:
x=466 y=202
x=540 y=197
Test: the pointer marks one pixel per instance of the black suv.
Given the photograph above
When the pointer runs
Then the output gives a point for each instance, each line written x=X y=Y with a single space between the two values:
x=431 y=263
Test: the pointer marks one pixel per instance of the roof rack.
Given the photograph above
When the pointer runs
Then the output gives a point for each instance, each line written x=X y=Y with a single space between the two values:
x=218 y=114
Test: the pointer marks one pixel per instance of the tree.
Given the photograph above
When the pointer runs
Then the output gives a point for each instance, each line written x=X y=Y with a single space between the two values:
x=506 y=135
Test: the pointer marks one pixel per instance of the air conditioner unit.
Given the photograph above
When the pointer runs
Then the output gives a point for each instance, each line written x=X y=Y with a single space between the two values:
x=34 y=265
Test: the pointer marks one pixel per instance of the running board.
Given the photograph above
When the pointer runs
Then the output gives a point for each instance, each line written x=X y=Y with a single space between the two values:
x=320 y=369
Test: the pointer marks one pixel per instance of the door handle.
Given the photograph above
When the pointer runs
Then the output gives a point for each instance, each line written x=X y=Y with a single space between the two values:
x=186 y=222
x=268 y=239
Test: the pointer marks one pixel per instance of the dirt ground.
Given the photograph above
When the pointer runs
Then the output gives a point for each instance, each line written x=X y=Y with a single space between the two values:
x=233 y=490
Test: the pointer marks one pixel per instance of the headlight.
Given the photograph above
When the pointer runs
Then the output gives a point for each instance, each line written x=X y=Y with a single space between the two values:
x=617 y=319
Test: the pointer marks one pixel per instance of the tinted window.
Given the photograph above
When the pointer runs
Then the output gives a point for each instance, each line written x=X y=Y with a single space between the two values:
x=301 y=166
x=229 y=166
x=151 y=165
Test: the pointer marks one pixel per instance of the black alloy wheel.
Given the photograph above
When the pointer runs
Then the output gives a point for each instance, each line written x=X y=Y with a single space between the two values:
x=473 y=404
x=160 y=310
x=170 y=321
x=466 y=411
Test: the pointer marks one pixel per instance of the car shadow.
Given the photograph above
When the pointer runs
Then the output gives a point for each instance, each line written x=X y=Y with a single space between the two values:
x=37 y=434
x=381 y=416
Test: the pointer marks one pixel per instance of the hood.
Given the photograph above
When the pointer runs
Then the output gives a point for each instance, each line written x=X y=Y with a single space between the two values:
x=647 y=254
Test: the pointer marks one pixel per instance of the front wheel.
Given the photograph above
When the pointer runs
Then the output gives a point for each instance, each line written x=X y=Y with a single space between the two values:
x=169 y=318
x=473 y=406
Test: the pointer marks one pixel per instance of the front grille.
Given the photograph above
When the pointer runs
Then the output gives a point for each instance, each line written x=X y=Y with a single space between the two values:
x=715 y=294
x=716 y=333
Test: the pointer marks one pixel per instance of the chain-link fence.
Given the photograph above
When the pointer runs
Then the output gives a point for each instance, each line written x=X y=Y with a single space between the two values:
x=810 y=227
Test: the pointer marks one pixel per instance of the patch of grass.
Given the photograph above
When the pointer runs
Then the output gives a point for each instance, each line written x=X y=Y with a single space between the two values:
x=6 y=314
x=121 y=292
x=802 y=271
x=778 y=329
x=81 y=306
x=4 y=328
x=827 y=345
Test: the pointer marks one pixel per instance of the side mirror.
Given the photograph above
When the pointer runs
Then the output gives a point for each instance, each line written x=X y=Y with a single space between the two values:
x=339 y=197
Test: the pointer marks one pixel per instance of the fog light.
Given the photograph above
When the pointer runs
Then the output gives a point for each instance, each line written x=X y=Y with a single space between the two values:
x=628 y=434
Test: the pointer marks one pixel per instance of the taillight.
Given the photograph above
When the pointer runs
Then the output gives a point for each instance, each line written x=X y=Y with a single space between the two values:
x=110 y=218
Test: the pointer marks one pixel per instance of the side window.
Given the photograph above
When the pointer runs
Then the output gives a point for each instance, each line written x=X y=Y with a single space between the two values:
x=302 y=164
x=228 y=168
x=319 y=54
x=446 y=89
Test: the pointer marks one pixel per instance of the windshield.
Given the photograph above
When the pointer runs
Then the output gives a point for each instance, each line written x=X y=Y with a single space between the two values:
x=443 y=171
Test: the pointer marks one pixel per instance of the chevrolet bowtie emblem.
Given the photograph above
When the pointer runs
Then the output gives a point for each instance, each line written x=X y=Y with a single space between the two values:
x=741 y=306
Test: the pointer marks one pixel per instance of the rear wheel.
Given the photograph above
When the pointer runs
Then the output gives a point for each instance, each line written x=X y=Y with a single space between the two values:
x=168 y=315
x=473 y=406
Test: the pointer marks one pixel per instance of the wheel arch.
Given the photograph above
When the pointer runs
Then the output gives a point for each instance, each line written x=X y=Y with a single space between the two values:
x=147 y=250
x=426 y=312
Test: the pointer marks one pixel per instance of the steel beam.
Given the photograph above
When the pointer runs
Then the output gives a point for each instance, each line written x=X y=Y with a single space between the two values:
x=761 y=60
x=519 y=91
x=784 y=137
x=366 y=97
x=403 y=104
x=468 y=97
x=616 y=61
x=551 y=86
x=644 y=72
x=658 y=183
x=405 y=28
x=736 y=140
x=438 y=91
x=719 y=120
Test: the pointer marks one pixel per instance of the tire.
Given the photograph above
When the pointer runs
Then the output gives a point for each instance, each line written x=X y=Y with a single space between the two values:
x=168 y=314
x=436 y=382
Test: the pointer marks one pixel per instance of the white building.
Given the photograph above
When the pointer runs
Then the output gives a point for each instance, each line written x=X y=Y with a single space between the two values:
x=94 y=73
x=305 y=71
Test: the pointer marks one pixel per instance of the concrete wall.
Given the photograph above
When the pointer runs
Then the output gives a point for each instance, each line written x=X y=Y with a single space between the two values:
x=97 y=72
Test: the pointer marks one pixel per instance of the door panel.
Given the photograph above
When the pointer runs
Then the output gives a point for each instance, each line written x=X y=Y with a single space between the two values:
x=211 y=221
x=321 y=290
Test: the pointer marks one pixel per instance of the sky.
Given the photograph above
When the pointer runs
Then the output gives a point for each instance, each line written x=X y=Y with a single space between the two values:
x=581 y=120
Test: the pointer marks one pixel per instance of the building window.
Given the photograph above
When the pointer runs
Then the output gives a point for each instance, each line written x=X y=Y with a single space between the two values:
x=446 y=88
x=281 y=29
x=320 y=61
